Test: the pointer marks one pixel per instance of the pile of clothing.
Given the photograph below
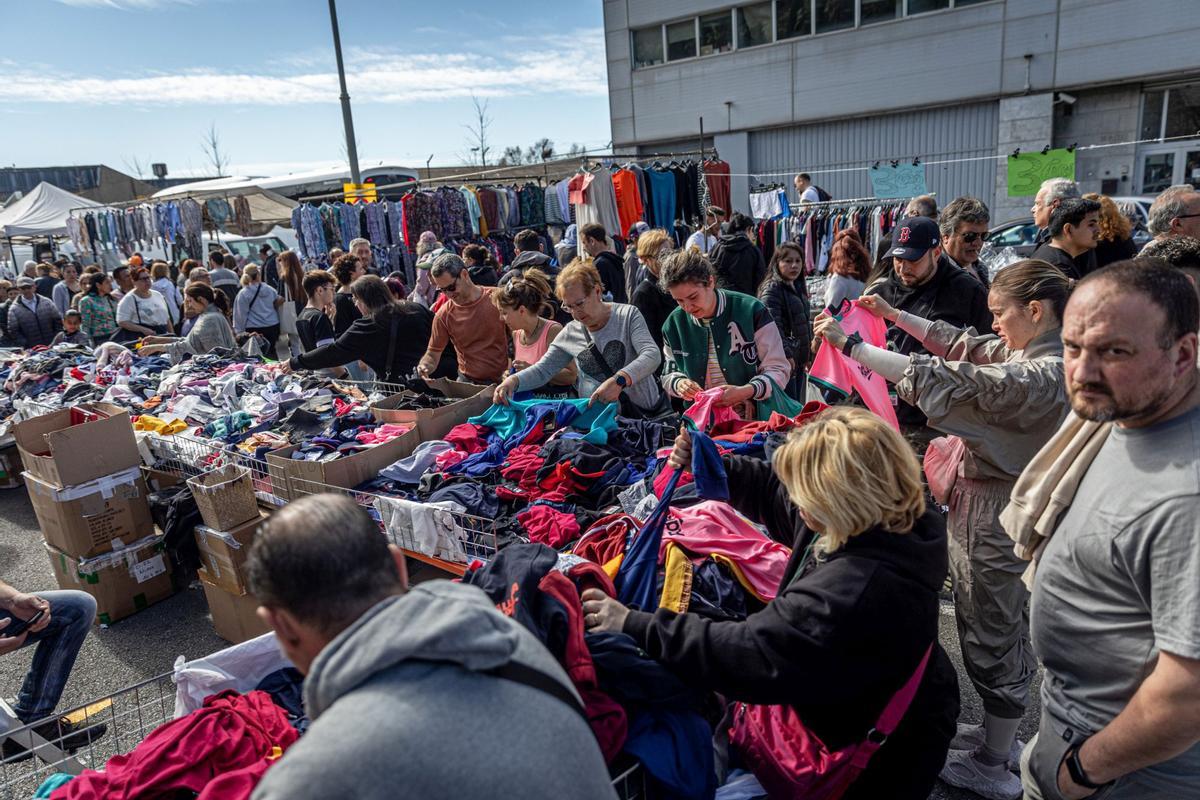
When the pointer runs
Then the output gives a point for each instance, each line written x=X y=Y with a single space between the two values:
x=218 y=752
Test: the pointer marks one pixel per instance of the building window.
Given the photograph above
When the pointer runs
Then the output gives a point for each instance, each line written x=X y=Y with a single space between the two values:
x=961 y=3
x=1183 y=111
x=794 y=17
x=716 y=33
x=834 y=15
x=1152 y=114
x=1157 y=172
x=647 y=47
x=681 y=40
x=881 y=10
x=921 y=6
x=754 y=24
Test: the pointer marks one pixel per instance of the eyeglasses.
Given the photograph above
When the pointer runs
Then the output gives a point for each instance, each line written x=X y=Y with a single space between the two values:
x=577 y=305
x=1185 y=216
x=453 y=287
x=970 y=237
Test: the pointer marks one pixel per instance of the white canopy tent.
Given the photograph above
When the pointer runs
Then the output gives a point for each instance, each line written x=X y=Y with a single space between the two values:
x=42 y=212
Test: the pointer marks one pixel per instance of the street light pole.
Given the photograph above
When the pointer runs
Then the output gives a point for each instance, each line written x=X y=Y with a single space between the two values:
x=347 y=119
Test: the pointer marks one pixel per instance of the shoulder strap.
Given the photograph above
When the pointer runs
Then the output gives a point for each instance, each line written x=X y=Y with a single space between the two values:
x=898 y=705
x=391 y=349
x=536 y=679
x=596 y=354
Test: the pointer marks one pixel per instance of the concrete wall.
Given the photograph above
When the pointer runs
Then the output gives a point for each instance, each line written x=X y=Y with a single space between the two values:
x=1024 y=122
x=1102 y=116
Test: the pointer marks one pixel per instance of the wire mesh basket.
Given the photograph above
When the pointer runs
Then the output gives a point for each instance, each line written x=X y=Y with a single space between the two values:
x=630 y=784
x=474 y=537
x=115 y=725
x=187 y=456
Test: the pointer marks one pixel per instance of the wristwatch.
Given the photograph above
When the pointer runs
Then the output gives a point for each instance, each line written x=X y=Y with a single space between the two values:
x=1075 y=768
x=851 y=340
x=622 y=381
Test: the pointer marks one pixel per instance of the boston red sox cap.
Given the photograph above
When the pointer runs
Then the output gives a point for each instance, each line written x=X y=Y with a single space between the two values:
x=913 y=237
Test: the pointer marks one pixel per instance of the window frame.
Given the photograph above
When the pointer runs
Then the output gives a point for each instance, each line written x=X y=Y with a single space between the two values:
x=736 y=43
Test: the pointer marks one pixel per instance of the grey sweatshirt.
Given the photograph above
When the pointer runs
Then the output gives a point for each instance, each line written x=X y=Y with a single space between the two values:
x=399 y=709
x=626 y=344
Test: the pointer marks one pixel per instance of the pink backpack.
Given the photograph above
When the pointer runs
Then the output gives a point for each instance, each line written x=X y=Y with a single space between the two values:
x=792 y=763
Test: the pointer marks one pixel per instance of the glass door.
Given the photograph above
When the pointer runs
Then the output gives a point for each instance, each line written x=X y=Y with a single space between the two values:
x=1191 y=168
x=1158 y=172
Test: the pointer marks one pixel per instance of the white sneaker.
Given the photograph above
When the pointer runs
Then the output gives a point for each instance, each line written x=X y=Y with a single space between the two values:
x=970 y=736
x=965 y=772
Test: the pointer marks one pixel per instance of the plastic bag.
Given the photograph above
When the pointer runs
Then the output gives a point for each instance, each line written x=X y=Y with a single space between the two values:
x=240 y=668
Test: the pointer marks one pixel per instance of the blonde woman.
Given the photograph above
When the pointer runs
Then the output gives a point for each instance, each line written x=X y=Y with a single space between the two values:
x=855 y=612
x=256 y=309
x=1003 y=396
x=649 y=297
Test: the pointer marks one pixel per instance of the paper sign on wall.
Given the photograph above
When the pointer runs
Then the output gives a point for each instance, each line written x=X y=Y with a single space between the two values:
x=1026 y=171
x=902 y=180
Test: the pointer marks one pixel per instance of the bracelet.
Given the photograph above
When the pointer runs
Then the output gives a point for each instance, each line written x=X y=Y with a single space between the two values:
x=1075 y=768
x=848 y=347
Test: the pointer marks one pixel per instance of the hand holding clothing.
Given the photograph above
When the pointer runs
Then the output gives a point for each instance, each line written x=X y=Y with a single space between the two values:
x=681 y=454
x=688 y=389
x=829 y=329
x=601 y=613
x=607 y=392
x=505 y=390
x=733 y=395
x=879 y=307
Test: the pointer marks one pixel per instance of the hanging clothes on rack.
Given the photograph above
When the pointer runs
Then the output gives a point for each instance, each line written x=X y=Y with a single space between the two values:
x=716 y=176
x=661 y=186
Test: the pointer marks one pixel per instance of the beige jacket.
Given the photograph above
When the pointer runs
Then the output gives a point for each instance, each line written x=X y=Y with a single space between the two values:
x=1004 y=404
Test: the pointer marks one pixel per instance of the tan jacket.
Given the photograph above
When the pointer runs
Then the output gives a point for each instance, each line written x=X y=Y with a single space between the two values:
x=1004 y=404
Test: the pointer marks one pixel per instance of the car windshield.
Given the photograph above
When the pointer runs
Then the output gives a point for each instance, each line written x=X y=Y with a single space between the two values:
x=1014 y=236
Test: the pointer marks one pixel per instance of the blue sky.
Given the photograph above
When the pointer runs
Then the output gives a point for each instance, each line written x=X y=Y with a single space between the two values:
x=111 y=81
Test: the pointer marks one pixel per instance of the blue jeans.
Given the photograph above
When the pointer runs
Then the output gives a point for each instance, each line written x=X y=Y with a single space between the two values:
x=71 y=617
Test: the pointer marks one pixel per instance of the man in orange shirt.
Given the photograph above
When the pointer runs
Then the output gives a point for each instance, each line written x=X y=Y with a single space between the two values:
x=470 y=321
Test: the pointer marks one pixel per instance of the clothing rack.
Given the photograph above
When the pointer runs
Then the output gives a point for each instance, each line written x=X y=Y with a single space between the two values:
x=858 y=201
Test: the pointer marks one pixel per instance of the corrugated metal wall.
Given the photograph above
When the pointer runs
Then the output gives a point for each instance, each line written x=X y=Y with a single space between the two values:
x=934 y=134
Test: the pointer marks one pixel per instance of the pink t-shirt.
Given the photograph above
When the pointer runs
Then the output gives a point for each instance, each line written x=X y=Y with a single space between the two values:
x=834 y=370
x=532 y=353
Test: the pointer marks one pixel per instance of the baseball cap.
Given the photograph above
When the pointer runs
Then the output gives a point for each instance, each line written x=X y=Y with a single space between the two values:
x=913 y=238
x=24 y=281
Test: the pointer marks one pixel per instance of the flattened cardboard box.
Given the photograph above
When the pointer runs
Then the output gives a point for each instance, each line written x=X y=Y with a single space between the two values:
x=223 y=553
x=63 y=450
x=234 y=616
x=434 y=423
x=300 y=478
x=94 y=517
x=123 y=582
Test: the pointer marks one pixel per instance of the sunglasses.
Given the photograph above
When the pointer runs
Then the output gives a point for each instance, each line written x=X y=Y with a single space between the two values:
x=970 y=237
x=453 y=287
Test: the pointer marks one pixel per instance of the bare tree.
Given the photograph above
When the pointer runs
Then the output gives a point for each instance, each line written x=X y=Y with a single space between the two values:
x=512 y=156
x=478 y=130
x=576 y=149
x=345 y=151
x=135 y=167
x=541 y=150
x=213 y=151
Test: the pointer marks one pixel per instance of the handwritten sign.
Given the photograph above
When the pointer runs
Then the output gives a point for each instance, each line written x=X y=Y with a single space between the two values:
x=902 y=180
x=1027 y=170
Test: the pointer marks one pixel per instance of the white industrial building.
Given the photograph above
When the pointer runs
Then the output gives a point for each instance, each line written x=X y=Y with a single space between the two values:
x=823 y=85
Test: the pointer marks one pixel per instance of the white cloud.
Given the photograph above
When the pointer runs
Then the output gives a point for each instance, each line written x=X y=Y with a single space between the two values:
x=573 y=62
x=127 y=5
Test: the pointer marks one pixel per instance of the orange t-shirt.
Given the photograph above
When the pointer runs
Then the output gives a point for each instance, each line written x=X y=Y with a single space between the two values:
x=629 y=200
x=478 y=334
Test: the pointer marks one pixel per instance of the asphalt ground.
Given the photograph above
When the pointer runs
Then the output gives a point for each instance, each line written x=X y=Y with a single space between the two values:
x=146 y=645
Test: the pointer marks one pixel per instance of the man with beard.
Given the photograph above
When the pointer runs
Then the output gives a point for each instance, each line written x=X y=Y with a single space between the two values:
x=1115 y=610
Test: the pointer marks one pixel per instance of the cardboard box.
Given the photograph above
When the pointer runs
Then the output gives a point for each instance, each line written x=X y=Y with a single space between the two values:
x=235 y=616
x=92 y=518
x=78 y=444
x=434 y=423
x=223 y=553
x=10 y=468
x=300 y=477
x=123 y=582
x=225 y=496
x=157 y=479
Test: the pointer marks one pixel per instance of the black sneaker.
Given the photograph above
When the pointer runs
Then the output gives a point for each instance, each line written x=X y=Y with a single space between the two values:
x=67 y=736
